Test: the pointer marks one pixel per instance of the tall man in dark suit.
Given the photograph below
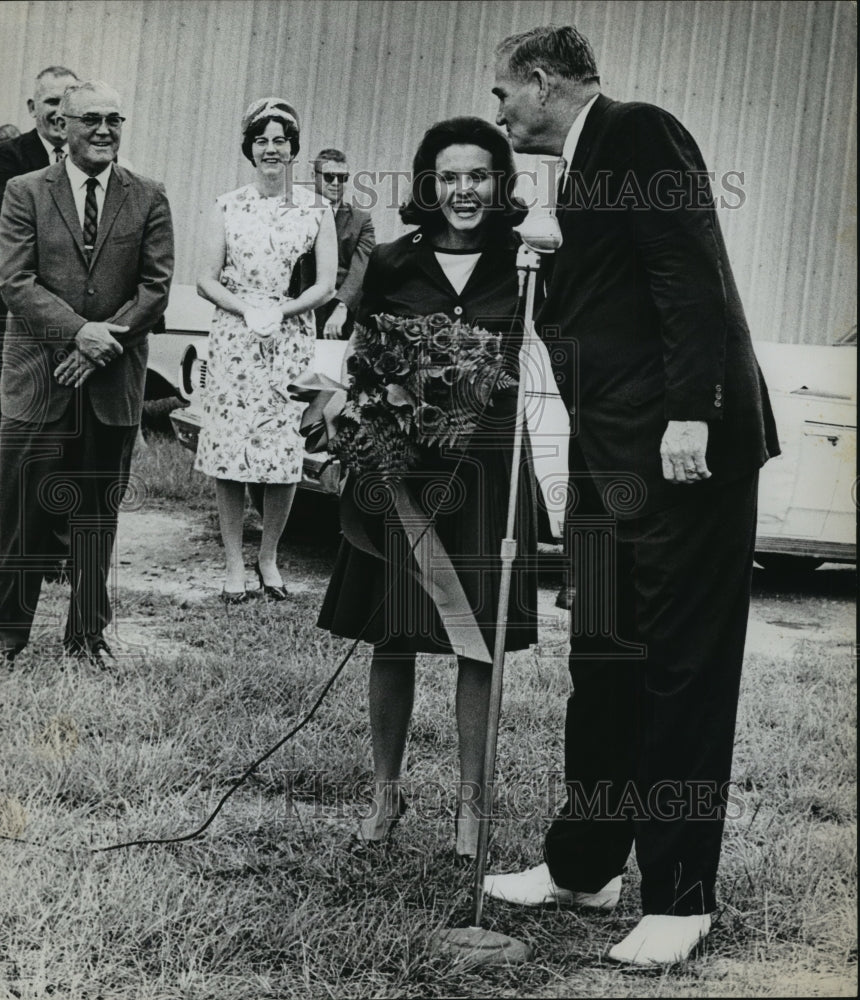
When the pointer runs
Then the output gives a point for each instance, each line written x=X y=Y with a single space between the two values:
x=670 y=424
x=355 y=240
x=86 y=259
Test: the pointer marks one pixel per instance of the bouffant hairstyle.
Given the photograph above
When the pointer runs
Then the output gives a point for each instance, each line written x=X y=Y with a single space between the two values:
x=257 y=117
x=422 y=207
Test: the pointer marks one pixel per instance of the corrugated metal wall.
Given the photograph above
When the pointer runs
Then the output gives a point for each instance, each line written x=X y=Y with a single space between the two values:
x=768 y=88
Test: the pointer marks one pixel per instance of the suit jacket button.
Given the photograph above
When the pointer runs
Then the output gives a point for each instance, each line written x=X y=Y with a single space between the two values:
x=717 y=403
x=91 y=291
x=458 y=310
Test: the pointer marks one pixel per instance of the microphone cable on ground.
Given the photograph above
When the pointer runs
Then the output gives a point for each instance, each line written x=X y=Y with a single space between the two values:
x=252 y=767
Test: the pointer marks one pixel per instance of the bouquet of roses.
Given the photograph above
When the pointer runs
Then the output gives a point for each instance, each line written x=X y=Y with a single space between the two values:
x=416 y=381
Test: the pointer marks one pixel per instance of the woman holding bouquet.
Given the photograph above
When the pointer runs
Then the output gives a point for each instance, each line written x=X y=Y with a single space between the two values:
x=261 y=338
x=457 y=268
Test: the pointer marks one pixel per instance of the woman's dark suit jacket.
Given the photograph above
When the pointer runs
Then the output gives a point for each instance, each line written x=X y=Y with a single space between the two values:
x=404 y=278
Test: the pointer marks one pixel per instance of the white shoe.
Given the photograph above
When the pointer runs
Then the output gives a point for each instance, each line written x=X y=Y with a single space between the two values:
x=535 y=887
x=661 y=940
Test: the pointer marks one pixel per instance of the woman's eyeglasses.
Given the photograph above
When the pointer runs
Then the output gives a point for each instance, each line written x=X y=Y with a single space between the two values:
x=94 y=121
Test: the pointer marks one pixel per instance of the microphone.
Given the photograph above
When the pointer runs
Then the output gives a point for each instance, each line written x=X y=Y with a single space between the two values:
x=541 y=233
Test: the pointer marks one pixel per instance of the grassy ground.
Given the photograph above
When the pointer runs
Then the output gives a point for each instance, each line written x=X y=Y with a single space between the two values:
x=275 y=902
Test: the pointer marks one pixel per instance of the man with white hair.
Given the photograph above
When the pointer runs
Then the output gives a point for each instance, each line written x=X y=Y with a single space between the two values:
x=86 y=260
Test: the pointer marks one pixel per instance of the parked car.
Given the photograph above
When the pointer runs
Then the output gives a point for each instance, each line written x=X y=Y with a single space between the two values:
x=186 y=324
x=807 y=496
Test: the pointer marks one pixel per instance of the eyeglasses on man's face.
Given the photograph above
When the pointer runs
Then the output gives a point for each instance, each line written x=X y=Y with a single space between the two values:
x=94 y=121
x=330 y=178
x=261 y=142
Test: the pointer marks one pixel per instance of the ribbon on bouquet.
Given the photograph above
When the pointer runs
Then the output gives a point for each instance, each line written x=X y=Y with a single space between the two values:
x=326 y=399
x=433 y=569
x=438 y=577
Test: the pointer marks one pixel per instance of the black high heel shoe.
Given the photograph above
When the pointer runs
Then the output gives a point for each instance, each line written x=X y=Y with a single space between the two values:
x=234 y=596
x=389 y=827
x=273 y=593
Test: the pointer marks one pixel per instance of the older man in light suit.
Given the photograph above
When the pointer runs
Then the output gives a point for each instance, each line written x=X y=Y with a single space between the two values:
x=86 y=259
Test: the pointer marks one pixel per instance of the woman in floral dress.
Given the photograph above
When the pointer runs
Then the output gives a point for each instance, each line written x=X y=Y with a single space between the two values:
x=261 y=338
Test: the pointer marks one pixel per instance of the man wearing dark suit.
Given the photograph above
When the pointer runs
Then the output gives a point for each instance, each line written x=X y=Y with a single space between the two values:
x=670 y=423
x=86 y=259
x=355 y=240
x=46 y=143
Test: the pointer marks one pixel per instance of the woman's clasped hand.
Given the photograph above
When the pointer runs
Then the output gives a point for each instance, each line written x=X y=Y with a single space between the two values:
x=263 y=321
x=261 y=340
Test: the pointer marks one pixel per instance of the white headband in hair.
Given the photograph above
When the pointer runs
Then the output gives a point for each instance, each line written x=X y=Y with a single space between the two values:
x=270 y=107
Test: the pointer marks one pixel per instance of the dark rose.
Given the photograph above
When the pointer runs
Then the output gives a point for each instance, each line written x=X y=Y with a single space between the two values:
x=389 y=364
x=435 y=320
x=443 y=339
x=412 y=330
x=430 y=418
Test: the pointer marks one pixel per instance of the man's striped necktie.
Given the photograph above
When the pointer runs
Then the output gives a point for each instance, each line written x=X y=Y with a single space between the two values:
x=91 y=216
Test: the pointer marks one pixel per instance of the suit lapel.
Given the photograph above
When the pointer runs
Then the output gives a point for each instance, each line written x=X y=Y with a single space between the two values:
x=590 y=129
x=117 y=192
x=426 y=258
x=566 y=198
x=61 y=192
x=33 y=152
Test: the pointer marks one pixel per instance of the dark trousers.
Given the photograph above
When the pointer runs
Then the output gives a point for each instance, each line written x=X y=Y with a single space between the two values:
x=649 y=732
x=60 y=532
x=74 y=471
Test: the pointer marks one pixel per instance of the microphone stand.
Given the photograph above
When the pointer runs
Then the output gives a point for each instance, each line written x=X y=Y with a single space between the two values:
x=475 y=945
x=528 y=263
